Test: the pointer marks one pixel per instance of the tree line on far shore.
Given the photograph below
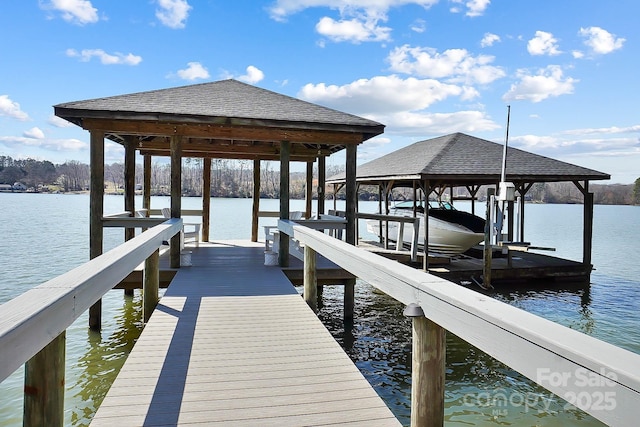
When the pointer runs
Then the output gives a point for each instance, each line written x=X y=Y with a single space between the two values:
x=234 y=178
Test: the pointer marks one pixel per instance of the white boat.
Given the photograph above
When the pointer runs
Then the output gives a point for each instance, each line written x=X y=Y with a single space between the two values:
x=451 y=231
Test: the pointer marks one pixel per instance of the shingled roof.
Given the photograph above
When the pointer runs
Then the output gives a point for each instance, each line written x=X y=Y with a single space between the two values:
x=461 y=159
x=222 y=113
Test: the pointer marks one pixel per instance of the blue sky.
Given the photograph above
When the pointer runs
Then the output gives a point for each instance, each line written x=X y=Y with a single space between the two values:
x=424 y=68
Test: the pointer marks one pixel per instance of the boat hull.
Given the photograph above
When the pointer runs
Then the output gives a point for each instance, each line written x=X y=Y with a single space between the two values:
x=444 y=237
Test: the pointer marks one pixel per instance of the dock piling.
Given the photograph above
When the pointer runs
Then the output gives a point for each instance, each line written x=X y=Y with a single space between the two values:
x=151 y=284
x=44 y=385
x=427 y=369
x=310 y=278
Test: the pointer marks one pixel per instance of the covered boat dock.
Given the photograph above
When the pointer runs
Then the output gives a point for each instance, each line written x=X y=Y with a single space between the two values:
x=436 y=165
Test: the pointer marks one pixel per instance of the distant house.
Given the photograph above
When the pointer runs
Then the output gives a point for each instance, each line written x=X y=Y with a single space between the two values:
x=18 y=186
x=6 y=188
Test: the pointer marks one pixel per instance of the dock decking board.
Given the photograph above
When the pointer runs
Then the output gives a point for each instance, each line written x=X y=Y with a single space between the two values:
x=233 y=343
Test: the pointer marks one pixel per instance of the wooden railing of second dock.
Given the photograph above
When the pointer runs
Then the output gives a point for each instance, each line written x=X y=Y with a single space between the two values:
x=33 y=325
x=597 y=377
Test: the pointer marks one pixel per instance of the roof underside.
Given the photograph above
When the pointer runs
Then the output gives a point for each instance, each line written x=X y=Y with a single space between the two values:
x=224 y=119
x=463 y=160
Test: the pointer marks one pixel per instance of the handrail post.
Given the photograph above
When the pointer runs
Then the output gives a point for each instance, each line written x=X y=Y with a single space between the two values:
x=44 y=385
x=310 y=278
x=151 y=284
x=427 y=369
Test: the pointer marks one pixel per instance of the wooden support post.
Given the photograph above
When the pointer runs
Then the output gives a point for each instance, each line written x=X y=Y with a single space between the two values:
x=427 y=373
x=206 y=198
x=96 y=210
x=322 y=182
x=176 y=196
x=587 y=240
x=146 y=190
x=150 y=285
x=310 y=278
x=349 y=299
x=129 y=188
x=256 y=201
x=285 y=152
x=129 y=183
x=426 y=189
x=44 y=385
x=488 y=252
x=352 y=193
x=308 y=191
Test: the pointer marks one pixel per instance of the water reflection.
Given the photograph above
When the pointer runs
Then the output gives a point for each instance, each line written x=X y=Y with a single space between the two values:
x=105 y=354
x=479 y=390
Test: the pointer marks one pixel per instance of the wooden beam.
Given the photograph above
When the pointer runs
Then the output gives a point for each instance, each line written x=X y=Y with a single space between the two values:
x=229 y=155
x=228 y=132
x=206 y=198
x=96 y=209
x=176 y=196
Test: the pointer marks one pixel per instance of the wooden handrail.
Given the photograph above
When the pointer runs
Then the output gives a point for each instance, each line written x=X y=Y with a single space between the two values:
x=30 y=321
x=562 y=360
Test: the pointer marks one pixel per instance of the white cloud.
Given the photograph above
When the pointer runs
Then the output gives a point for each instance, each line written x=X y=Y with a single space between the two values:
x=86 y=55
x=59 y=122
x=474 y=7
x=543 y=44
x=559 y=145
x=457 y=65
x=11 y=108
x=400 y=104
x=421 y=123
x=489 y=39
x=173 y=13
x=352 y=30
x=380 y=95
x=283 y=8
x=548 y=82
x=419 y=26
x=577 y=54
x=47 y=144
x=194 y=71
x=610 y=130
x=253 y=76
x=75 y=11
x=601 y=41
x=358 y=19
x=34 y=132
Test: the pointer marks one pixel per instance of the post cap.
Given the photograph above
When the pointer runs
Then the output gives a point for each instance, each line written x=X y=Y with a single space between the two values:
x=413 y=310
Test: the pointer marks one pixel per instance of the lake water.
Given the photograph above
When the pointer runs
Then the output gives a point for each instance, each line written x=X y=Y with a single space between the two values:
x=44 y=235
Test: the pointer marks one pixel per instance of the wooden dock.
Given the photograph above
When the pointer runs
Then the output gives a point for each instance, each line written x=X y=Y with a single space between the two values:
x=517 y=268
x=233 y=343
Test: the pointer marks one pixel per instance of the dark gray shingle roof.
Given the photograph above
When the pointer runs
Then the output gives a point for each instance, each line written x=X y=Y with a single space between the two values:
x=225 y=98
x=459 y=157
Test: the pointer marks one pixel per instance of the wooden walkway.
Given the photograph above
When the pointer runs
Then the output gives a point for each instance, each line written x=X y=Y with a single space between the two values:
x=232 y=343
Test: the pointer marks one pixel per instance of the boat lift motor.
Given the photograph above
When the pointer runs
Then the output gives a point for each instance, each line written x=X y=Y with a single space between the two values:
x=506 y=192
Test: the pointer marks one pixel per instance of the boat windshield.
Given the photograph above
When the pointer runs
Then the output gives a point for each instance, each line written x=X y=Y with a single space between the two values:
x=433 y=204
